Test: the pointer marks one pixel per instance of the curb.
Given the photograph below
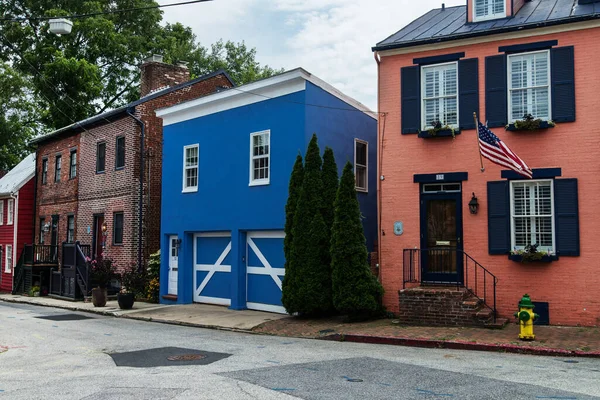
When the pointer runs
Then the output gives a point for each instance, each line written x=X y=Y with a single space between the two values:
x=32 y=303
x=458 y=345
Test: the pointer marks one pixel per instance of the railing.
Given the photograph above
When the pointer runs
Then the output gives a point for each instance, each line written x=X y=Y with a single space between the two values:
x=81 y=267
x=40 y=254
x=73 y=278
x=460 y=269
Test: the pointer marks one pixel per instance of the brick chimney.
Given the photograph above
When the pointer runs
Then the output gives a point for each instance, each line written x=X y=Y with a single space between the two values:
x=157 y=75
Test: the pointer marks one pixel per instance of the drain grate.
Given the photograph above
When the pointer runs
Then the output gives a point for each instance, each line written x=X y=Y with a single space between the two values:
x=64 y=317
x=187 y=357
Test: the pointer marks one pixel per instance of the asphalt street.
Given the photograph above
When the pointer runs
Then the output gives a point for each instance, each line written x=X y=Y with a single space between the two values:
x=115 y=358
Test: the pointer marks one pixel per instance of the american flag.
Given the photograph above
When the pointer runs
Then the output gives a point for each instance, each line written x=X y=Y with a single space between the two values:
x=496 y=151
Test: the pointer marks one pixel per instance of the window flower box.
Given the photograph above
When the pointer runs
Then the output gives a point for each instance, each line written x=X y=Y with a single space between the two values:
x=546 y=258
x=435 y=133
x=528 y=123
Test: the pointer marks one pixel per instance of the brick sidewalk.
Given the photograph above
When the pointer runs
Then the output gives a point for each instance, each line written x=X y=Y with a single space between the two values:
x=549 y=339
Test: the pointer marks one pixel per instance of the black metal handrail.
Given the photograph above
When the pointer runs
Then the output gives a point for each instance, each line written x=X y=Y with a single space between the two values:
x=470 y=274
x=19 y=275
x=40 y=254
x=81 y=266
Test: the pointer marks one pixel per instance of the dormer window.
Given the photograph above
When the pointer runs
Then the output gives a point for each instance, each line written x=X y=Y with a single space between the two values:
x=484 y=10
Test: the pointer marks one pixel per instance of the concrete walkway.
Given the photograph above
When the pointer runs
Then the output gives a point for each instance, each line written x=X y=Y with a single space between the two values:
x=199 y=315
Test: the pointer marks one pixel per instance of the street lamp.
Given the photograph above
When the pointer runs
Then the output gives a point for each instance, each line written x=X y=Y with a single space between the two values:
x=60 y=26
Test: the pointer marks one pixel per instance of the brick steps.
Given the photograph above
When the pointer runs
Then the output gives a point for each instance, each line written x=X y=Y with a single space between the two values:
x=444 y=306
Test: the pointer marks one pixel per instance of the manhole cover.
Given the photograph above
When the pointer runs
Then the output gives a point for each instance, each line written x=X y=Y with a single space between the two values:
x=187 y=357
x=65 y=317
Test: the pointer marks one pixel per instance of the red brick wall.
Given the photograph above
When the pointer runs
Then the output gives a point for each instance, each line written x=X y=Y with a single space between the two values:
x=57 y=198
x=158 y=75
x=571 y=284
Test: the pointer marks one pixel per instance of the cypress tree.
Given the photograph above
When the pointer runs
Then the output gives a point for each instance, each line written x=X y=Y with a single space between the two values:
x=356 y=291
x=290 y=280
x=309 y=252
x=330 y=186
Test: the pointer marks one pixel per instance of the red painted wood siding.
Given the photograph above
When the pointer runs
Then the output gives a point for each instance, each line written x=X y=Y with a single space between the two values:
x=7 y=234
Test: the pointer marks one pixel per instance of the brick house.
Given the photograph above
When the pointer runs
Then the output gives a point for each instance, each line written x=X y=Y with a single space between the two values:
x=502 y=60
x=97 y=199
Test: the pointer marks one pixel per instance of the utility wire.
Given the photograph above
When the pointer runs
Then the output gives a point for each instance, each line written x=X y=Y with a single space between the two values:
x=80 y=16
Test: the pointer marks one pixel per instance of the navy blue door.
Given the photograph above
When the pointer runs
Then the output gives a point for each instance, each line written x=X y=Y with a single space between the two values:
x=441 y=237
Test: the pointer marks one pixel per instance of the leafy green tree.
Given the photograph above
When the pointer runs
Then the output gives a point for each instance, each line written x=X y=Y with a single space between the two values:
x=95 y=68
x=18 y=118
x=290 y=280
x=310 y=252
x=356 y=291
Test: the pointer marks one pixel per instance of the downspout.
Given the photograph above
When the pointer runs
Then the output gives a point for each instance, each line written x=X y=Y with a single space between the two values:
x=35 y=189
x=379 y=164
x=131 y=113
x=15 y=198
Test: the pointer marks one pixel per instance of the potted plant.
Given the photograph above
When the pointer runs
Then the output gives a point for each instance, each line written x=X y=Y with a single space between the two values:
x=438 y=130
x=34 y=291
x=530 y=123
x=531 y=254
x=102 y=270
x=132 y=283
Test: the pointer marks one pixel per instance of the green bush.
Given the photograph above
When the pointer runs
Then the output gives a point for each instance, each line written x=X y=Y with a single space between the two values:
x=356 y=291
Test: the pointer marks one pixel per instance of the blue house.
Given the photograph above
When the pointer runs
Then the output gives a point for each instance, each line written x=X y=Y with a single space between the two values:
x=227 y=160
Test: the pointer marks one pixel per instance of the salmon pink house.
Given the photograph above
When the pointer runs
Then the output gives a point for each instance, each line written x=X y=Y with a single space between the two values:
x=16 y=217
x=460 y=245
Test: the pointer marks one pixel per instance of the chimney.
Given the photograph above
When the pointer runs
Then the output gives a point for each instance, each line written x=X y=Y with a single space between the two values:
x=157 y=75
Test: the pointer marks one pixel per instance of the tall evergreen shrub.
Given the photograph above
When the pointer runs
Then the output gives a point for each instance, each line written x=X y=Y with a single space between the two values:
x=330 y=186
x=356 y=291
x=290 y=280
x=309 y=253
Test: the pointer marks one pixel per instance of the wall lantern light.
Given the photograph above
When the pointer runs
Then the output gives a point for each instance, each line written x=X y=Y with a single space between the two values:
x=473 y=205
x=104 y=229
x=60 y=26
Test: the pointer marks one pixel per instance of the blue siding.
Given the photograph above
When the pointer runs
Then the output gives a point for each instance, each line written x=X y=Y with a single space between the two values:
x=337 y=128
x=226 y=202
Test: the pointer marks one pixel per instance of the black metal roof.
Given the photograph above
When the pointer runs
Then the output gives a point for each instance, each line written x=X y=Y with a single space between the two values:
x=450 y=23
x=117 y=113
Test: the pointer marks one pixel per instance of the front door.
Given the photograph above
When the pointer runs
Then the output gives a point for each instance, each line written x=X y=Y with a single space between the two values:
x=441 y=233
x=54 y=238
x=173 y=264
x=98 y=239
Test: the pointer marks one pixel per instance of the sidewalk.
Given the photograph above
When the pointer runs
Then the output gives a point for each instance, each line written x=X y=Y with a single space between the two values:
x=551 y=340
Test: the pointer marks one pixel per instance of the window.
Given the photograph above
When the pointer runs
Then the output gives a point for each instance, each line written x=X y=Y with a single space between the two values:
x=42 y=223
x=488 y=9
x=361 y=158
x=70 y=229
x=44 y=171
x=260 y=155
x=118 y=228
x=9 y=257
x=73 y=164
x=120 y=153
x=439 y=95
x=532 y=215
x=58 y=168
x=529 y=85
x=100 y=157
x=10 y=212
x=190 y=168
x=1 y=212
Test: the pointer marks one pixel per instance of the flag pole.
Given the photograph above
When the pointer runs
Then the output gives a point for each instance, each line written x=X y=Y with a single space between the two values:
x=478 y=144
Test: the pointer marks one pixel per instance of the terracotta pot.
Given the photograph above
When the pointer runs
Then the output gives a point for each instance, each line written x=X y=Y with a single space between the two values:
x=126 y=300
x=99 y=297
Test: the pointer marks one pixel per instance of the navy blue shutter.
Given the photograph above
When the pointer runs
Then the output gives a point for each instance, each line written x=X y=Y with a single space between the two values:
x=563 y=84
x=410 y=82
x=468 y=92
x=498 y=217
x=496 y=103
x=566 y=217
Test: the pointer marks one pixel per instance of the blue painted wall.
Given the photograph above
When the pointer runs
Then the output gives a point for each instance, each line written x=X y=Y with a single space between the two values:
x=337 y=128
x=225 y=202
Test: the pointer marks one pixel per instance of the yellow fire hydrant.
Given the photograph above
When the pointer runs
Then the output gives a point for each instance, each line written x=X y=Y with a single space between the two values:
x=526 y=317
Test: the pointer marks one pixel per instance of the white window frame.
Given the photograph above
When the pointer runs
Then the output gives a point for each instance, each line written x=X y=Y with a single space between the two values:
x=490 y=14
x=190 y=189
x=509 y=83
x=424 y=124
x=265 y=181
x=8 y=261
x=10 y=212
x=512 y=212
x=2 y=212
x=366 y=188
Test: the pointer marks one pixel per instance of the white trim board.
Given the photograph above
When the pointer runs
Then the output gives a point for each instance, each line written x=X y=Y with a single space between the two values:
x=276 y=86
x=266 y=307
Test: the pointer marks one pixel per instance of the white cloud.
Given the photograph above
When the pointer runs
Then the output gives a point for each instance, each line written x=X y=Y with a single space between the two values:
x=330 y=38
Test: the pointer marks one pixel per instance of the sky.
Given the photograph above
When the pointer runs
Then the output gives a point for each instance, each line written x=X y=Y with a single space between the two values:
x=331 y=39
